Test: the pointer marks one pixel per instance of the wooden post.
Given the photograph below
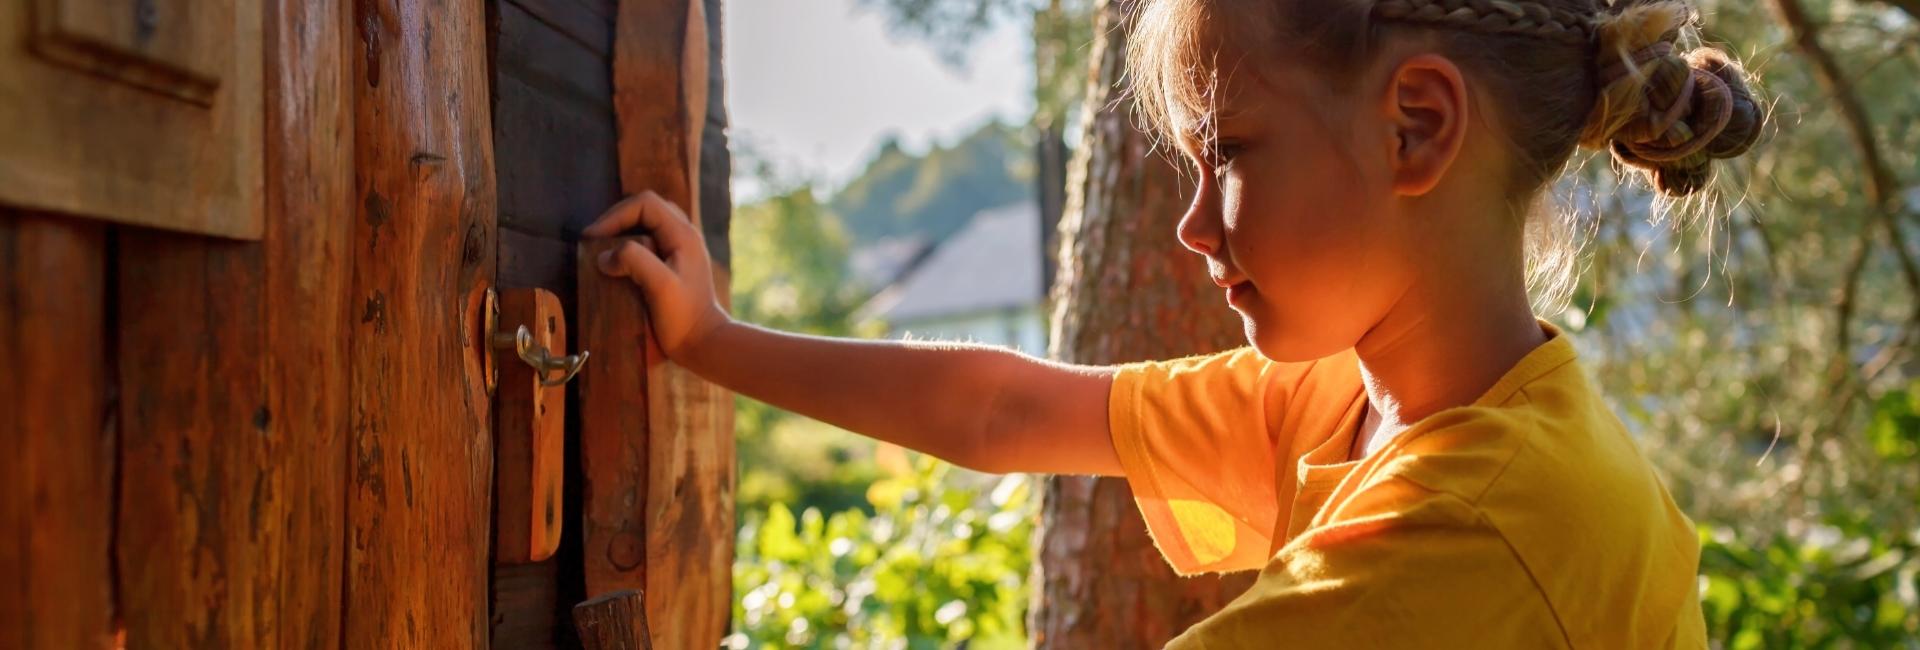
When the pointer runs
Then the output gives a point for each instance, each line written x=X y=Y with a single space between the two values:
x=232 y=412
x=423 y=257
x=56 y=438
x=685 y=507
x=614 y=621
x=613 y=426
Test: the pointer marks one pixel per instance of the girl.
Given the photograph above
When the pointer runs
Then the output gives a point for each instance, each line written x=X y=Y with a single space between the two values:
x=1408 y=455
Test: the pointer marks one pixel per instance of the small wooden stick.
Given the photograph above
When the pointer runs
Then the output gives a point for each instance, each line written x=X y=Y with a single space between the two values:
x=613 y=621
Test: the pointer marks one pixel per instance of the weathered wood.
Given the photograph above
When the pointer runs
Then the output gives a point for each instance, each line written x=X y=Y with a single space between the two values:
x=529 y=432
x=56 y=438
x=233 y=389
x=423 y=256
x=584 y=22
x=614 y=410
x=554 y=100
x=716 y=158
x=158 y=125
x=1125 y=292
x=615 y=621
x=661 y=82
x=533 y=261
x=528 y=610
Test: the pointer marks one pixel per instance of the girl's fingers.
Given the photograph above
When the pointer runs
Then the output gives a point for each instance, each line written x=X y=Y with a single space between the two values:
x=631 y=260
x=668 y=224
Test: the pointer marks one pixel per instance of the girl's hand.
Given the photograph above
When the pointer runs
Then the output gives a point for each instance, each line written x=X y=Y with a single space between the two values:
x=677 y=280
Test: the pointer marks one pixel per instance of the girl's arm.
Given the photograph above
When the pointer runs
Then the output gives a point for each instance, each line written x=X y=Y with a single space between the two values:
x=979 y=407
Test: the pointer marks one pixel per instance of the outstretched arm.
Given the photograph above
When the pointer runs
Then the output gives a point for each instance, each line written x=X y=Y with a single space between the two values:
x=980 y=407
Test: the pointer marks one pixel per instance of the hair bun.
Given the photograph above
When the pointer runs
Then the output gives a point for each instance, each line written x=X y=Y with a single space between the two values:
x=1667 y=113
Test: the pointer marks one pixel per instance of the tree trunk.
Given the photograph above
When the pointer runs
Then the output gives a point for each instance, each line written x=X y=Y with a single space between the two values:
x=1126 y=291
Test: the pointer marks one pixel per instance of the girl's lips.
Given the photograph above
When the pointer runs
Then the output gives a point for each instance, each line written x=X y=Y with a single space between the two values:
x=1239 y=292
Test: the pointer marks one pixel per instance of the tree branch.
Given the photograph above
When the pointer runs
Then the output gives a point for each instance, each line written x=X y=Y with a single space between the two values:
x=1883 y=186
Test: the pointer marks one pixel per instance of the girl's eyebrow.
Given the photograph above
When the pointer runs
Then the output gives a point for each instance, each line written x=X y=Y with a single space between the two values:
x=1195 y=136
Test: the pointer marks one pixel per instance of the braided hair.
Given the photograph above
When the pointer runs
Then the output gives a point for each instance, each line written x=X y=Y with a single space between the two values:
x=1660 y=110
x=1610 y=76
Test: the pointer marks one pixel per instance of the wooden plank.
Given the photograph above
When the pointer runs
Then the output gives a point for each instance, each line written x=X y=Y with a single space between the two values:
x=615 y=621
x=660 y=97
x=716 y=159
x=233 y=389
x=577 y=20
x=529 y=432
x=423 y=257
x=557 y=98
x=534 y=261
x=613 y=426
x=565 y=162
x=56 y=439
x=528 y=609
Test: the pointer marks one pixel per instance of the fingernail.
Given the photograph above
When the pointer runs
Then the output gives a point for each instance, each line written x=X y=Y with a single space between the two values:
x=606 y=259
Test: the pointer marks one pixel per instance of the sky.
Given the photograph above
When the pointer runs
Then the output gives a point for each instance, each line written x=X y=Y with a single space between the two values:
x=814 y=86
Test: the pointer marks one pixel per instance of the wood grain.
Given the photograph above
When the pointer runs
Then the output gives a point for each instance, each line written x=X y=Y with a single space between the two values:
x=56 y=438
x=529 y=613
x=168 y=137
x=613 y=426
x=661 y=83
x=233 y=388
x=529 y=434
x=615 y=621
x=423 y=255
x=557 y=144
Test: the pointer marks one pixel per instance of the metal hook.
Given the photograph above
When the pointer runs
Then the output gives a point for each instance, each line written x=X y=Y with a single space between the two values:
x=543 y=362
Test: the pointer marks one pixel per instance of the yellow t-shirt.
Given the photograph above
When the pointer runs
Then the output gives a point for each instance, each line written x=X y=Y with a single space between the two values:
x=1529 y=519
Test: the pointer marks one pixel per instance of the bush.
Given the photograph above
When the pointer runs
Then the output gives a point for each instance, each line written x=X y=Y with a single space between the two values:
x=942 y=562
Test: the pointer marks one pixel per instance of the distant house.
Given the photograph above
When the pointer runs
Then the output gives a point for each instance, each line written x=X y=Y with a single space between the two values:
x=984 y=283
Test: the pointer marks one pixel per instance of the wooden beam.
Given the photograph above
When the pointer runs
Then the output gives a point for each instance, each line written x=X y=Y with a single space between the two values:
x=423 y=256
x=660 y=79
x=615 y=621
x=56 y=439
x=233 y=388
x=613 y=425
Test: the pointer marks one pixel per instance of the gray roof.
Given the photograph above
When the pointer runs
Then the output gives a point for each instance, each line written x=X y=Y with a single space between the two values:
x=992 y=263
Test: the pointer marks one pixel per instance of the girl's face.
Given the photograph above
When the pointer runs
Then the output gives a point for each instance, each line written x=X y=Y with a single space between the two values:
x=1295 y=211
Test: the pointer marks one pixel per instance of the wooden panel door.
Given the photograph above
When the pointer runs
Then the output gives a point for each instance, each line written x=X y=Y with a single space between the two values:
x=144 y=112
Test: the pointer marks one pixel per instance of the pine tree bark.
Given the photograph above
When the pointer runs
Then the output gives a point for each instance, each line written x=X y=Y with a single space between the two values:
x=1126 y=291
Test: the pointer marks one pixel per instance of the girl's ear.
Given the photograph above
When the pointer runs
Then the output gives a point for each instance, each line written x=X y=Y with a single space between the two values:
x=1426 y=107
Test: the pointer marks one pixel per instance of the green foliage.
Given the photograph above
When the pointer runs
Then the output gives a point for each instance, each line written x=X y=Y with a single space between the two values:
x=789 y=273
x=930 y=195
x=939 y=563
x=1895 y=429
x=1845 y=586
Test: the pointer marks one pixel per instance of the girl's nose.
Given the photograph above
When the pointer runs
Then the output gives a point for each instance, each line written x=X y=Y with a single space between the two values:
x=1200 y=228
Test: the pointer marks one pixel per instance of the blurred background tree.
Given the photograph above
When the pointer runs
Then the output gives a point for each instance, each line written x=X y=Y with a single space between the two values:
x=1760 y=344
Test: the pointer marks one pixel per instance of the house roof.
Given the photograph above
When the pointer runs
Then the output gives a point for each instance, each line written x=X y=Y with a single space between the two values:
x=992 y=263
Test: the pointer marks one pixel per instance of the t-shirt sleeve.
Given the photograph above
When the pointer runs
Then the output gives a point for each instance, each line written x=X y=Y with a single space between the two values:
x=1193 y=437
x=1426 y=575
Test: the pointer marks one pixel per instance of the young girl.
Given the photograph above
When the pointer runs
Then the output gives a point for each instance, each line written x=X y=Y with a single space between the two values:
x=1408 y=455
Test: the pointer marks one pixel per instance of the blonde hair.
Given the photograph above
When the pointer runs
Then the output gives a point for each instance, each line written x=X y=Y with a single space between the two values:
x=1625 y=77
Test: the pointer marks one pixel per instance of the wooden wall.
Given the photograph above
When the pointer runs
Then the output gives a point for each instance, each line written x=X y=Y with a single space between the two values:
x=173 y=421
x=286 y=442
x=557 y=165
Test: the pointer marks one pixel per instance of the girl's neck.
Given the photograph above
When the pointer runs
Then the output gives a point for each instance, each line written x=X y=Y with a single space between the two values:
x=1439 y=349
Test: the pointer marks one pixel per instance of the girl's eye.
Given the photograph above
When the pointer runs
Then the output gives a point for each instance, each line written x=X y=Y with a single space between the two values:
x=1223 y=156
